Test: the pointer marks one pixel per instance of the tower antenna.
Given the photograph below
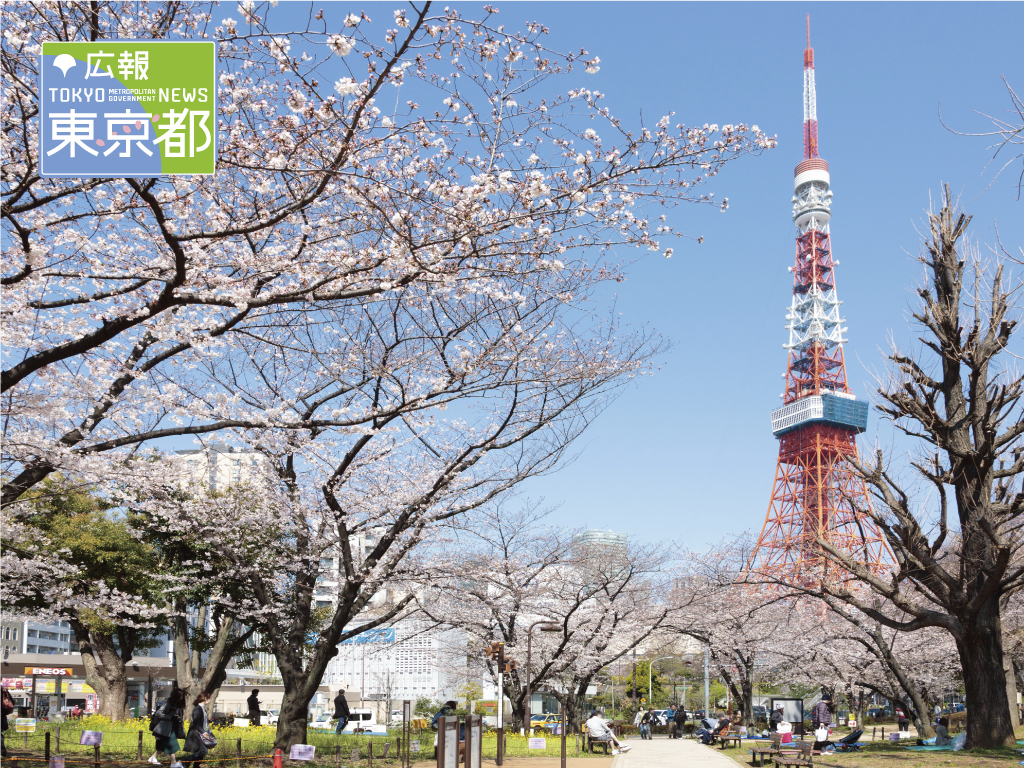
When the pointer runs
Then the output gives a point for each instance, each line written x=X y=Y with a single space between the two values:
x=808 y=30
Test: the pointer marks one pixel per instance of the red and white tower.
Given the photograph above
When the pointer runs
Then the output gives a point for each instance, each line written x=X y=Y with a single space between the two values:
x=816 y=495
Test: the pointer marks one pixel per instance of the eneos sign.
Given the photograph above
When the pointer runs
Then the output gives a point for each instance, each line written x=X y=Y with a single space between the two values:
x=128 y=108
x=48 y=671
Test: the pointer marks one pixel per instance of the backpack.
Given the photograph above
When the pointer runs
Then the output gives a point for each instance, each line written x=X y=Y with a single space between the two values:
x=156 y=717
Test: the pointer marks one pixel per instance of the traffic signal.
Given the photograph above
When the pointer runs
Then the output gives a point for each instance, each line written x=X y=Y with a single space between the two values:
x=509 y=667
x=494 y=651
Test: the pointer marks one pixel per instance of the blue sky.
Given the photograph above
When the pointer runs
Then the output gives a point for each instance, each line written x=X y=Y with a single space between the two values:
x=689 y=454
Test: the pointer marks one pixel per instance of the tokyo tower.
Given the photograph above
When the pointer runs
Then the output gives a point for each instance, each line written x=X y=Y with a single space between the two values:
x=817 y=494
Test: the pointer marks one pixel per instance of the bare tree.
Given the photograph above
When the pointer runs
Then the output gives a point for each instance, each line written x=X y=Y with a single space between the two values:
x=963 y=404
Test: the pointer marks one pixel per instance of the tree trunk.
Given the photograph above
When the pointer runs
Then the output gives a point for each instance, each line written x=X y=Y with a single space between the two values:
x=104 y=670
x=981 y=656
x=1011 y=689
x=748 y=701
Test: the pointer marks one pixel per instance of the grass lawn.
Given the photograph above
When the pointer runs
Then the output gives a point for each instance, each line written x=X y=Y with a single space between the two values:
x=886 y=754
x=121 y=742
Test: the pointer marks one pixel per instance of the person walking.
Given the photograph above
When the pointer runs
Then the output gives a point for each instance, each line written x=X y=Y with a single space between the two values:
x=198 y=725
x=341 y=711
x=670 y=720
x=254 y=707
x=7 y=709
x=167 y=727
x=647 y=724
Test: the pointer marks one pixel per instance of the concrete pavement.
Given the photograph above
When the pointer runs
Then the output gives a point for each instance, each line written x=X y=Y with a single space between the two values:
x=662 y=752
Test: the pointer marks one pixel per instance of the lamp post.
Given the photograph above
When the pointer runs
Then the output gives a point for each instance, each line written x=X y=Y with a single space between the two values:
x=545 y=626
x=650 y=678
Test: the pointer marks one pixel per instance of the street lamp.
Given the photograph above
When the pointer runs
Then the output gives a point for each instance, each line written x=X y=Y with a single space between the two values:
x=545 y=626
x=650 y=678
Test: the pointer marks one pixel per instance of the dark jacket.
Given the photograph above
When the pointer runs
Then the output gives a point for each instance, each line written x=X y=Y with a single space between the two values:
x=341 y=711
x=166 y=721
x=254 y=703
x=198 y=725
x=821 y=714
x=680 y=716
x=442 y=712
x=776 y=717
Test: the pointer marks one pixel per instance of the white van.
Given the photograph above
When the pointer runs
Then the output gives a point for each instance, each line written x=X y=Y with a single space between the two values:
x=365 y=719
x=267 y=717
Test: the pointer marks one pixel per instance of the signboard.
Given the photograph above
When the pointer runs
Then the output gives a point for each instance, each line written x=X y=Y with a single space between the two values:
x=474 y=739
x=48 y=671
x=371 y=636
x=414 y=745
x=25 y=725
x=448 y=742
x=113 y=108
x=302 y=752
x=538 y=743
x=91 y=738
x=853 y=723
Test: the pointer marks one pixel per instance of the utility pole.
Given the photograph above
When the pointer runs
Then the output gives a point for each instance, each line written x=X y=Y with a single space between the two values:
x=707 y=684
x=634 y=683
x=496 y=652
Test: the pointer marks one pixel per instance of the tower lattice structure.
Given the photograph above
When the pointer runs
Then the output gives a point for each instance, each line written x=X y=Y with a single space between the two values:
x=816 y=493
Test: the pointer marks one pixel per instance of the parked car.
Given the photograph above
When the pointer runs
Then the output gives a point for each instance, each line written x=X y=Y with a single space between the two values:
x=366 y=721
x=321 y=723
x=698 y=714
x=548 y=722
x=267 y=717
x=662 y=715
x=760 y=712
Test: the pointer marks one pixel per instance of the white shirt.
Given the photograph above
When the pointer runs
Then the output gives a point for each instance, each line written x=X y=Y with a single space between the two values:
x=597 y=727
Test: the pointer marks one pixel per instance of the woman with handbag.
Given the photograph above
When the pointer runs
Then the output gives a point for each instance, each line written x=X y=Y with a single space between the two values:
x=199 y=739
x=167 y=727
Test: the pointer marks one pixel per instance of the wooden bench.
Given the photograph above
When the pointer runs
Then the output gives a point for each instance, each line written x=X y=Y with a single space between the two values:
x=771 y=750
x=726 y=738
x=591 y=741
x=803 y=759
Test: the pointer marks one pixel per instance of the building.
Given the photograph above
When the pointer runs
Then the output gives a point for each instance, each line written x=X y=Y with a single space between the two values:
x=607 y=541
x=219 y=466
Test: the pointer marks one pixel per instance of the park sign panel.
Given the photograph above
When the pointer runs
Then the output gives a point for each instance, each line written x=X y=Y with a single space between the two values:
x=114 y=108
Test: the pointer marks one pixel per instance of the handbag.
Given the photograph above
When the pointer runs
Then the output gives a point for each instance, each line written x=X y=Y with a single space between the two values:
x=193 y=743
x=208 y=739
x=179 y=728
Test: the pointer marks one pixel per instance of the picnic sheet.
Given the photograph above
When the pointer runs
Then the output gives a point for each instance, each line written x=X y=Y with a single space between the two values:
x=932 y=748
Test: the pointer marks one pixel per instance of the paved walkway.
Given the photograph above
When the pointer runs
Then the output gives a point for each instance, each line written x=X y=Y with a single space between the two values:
x=662 y=752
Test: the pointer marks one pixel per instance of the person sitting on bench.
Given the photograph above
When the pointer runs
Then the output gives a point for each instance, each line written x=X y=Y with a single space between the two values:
x=597 y=728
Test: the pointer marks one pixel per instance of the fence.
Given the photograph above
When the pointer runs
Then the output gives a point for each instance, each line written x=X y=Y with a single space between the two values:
x=132 y=747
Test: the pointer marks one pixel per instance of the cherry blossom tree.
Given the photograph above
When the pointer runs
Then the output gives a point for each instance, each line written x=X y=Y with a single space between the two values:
x=347 y=276
x=119 y=288
x=597 y=603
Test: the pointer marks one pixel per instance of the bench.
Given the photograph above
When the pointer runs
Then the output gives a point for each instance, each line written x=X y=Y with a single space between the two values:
x=771 y=750
x=804 y=758
x=591 y=742
x=725 y=738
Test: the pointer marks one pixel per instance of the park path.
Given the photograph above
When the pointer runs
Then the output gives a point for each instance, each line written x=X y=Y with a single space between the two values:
x=671 y=753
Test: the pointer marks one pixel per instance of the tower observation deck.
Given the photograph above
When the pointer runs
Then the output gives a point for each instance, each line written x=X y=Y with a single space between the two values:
x=817 y=496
